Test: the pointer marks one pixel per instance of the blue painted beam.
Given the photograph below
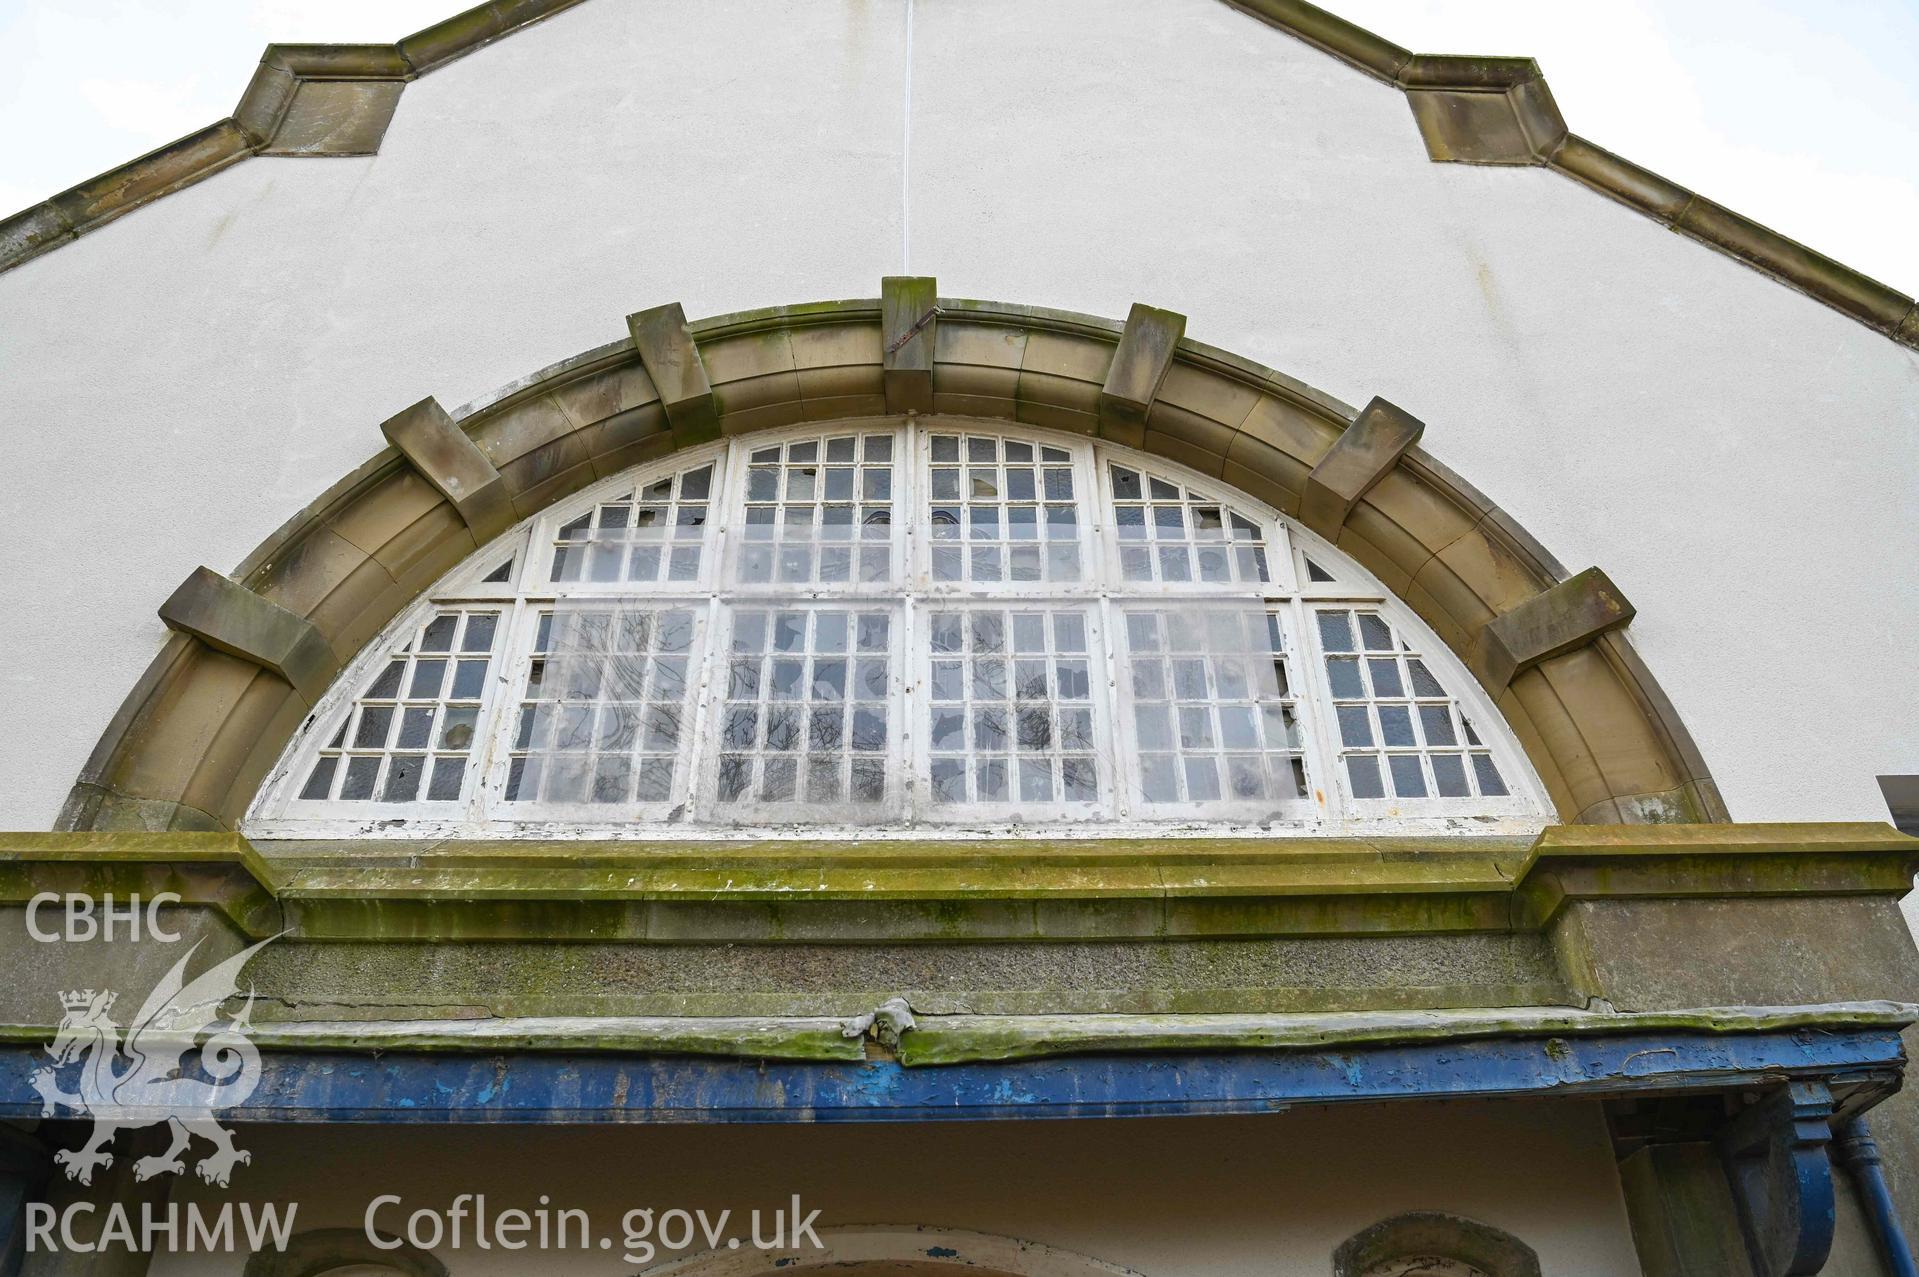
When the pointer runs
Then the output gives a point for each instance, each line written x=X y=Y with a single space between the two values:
x=610 y=1087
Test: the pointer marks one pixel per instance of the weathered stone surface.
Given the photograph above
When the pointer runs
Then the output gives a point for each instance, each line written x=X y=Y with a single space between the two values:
x=453 y=463
x=1140 y=364
x=977 y=368
x=1625 y=748
x=1906 y=334
x=1839 y=286
x=281 y=117
x=1483 y=110
x=1088 y=977
x=1485 y=128
x=1564 y=758
x=32 y=231
x=756 y=384
x=408 y=526
x=1682 y=1213
x=1059 y=381
x=671 y=359
x=1334 y=34
x=99 y=200
x=1362 y=455
x=909 y=328
x=1792 y=950
x=464 y=32
x=1476 y=1247
x=228 y=617
x=595 y=397
x=1571 y=614
x=1620 y=178
x=336 y=117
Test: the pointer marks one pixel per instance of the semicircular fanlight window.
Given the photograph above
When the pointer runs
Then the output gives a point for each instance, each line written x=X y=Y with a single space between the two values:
x=885 y=628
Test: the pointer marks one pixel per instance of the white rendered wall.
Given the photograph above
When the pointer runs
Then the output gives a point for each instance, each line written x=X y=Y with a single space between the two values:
x=1167 y=1197
x=1739 y=458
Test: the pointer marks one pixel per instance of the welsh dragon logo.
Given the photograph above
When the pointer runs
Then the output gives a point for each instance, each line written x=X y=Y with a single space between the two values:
x=144 y=1080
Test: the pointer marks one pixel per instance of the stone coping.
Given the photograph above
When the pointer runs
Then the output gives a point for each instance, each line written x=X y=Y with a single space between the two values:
x=961 y=1039
x=945 y=891
x=1498 y=110
x=303 y=100
x=337 y=99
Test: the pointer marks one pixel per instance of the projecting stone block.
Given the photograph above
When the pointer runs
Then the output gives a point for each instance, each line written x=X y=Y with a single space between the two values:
x=453 y=463
x=227 y=616
x=1483 y=110
x=337 y=117
x=1364 y=453
x=909 y=322
x=323 y=99
x=1568 y=616
x=1145 y=354
x=666 y=349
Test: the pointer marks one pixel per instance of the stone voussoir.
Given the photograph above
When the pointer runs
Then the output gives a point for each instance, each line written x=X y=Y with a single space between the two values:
x=1362 y=455
x=672 y=359
x=909 y=329
x=446 y=458
x=1140 y=364
x=1568 y=616
x=230 y=618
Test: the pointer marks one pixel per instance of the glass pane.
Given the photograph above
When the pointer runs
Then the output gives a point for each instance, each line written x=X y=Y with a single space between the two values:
x=1024 y=689
x=610 y=705
x=837 y=661
x=1412 y=711
x=797 y=705
x=1362 y=770
x=421 y=699
x=1207 y=729
x=997 y=500
x=619 y=539
x=801 y=517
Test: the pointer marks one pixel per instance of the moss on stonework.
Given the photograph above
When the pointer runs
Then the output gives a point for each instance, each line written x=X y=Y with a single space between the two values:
x=969 y=1039
x=974 y=1039
x=943 y=890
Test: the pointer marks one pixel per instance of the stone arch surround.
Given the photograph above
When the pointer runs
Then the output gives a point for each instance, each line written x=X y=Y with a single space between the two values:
x=250 y=654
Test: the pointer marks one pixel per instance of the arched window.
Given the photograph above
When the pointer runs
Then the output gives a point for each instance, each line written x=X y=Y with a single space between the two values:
x=889 y=627
x=1434 y=1244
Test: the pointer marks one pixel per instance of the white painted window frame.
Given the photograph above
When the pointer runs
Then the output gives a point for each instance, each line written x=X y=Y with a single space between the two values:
x=1330 y=808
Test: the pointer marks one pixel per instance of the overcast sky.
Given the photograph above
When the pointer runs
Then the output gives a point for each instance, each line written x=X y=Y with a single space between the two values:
x=1803 y=114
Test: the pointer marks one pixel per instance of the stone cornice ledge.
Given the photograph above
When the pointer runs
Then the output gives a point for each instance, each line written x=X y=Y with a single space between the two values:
x=828 y=893
x=304 y=99
x=955 y=1039
x=964 y=1039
